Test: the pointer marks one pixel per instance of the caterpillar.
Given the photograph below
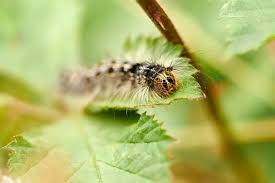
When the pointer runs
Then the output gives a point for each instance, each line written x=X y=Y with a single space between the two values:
x=150 y=70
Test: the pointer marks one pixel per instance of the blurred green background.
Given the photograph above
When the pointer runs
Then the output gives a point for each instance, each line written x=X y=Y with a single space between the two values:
x=40 y=38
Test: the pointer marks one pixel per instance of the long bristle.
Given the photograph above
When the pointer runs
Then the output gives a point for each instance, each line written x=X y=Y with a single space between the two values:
x=116 y=79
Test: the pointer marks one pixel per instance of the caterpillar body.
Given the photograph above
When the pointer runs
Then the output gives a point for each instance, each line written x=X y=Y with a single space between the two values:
x=150 y=70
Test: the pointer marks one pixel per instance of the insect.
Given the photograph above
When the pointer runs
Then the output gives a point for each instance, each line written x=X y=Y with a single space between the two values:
x=147 y=72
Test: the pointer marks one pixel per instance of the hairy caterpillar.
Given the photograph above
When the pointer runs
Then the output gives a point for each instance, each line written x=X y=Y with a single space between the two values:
x=150 y=70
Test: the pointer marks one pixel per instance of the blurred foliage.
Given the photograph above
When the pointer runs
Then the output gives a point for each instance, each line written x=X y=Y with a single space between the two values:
x=109 y=20
x=37 y=39
x=40 y=38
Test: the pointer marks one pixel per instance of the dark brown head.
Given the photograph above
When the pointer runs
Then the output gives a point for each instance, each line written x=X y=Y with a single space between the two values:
x=165 y=84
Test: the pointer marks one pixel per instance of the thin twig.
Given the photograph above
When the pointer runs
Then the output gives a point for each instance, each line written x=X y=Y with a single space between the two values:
x=240 y=164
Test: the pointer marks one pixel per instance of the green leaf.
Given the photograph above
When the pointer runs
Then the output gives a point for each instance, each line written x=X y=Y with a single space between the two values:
x=147 y=130
x=147 y=48
x=21 y=149
x=94 y=151
x=250 y=24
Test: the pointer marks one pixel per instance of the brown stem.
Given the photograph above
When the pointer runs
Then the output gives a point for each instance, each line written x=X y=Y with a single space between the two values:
x=240 y=164
x=162 y=21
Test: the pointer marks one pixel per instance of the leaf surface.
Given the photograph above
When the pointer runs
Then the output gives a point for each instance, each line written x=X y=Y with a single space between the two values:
x=250 y=24
x=90 y=150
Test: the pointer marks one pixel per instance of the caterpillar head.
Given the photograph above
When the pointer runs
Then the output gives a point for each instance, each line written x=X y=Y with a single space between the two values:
x=165 y=83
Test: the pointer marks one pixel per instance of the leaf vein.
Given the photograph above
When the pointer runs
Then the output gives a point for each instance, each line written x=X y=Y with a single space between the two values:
x=124 y=170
